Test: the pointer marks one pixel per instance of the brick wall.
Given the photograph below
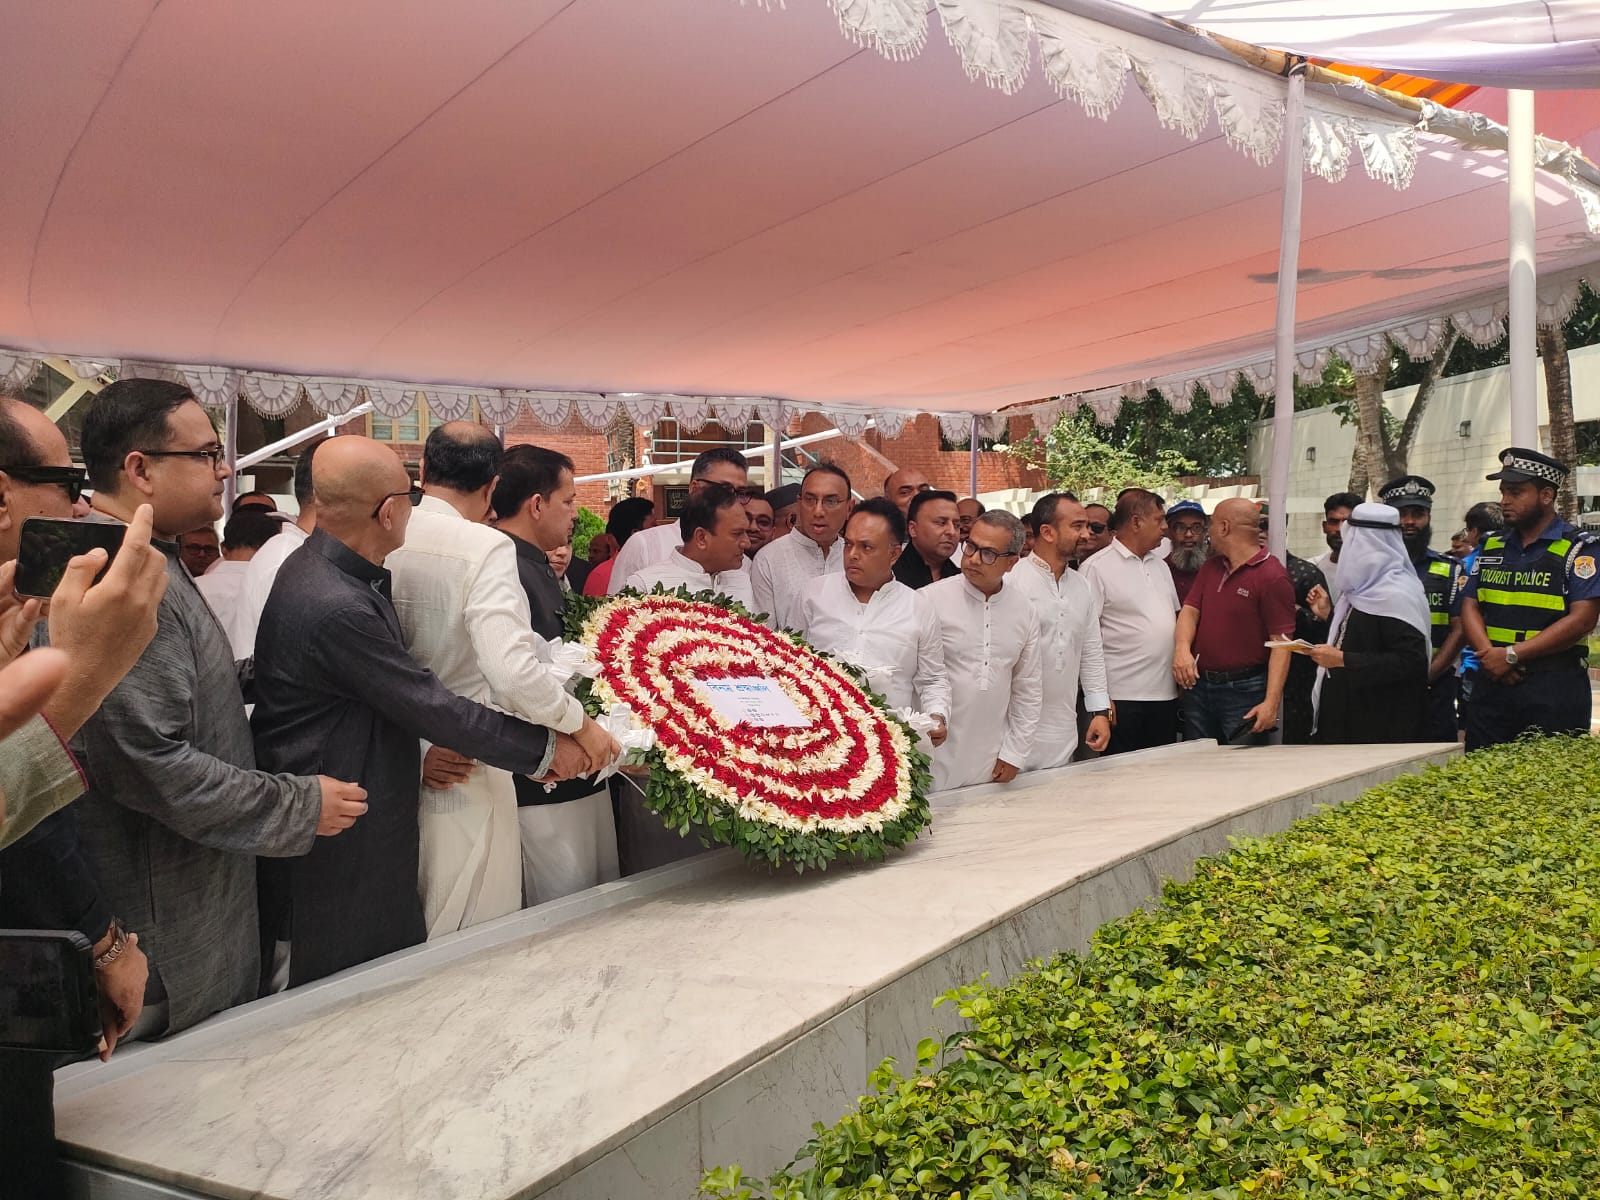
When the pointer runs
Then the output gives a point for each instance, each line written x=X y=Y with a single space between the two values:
x=584 y=446
x=869 y=459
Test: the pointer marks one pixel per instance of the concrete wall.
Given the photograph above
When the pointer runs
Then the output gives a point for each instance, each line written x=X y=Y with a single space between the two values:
x=1456 y=465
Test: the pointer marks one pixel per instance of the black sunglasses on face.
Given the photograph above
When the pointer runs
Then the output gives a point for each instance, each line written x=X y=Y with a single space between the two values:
x=1097 y=527
x=71 y=479
x=412 y=493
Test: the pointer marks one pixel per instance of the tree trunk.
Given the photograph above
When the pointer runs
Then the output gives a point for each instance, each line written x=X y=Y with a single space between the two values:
x=1558 y=390
x=1371 y=460
x=1400 y=458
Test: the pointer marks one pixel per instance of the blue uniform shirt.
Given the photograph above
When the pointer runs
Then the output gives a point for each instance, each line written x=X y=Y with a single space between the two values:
x=1522 y=589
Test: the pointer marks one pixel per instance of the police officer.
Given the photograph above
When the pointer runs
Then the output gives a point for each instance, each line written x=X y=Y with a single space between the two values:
x=1531 y=599
x=1442 y=577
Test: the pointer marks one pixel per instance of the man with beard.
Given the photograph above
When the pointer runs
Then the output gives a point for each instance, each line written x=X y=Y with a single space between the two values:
x=1186 y=530
x=1441 y=578
x=1097 y=532
x=933 y=527
x=1532 y=598
x=1335 y=511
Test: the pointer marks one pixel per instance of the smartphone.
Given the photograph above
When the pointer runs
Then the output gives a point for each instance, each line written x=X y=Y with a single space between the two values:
x=47 y=544
x=1245 y=727
x=47 y=992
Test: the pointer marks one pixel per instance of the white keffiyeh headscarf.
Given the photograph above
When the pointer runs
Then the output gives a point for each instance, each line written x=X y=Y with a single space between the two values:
x=1376 y=576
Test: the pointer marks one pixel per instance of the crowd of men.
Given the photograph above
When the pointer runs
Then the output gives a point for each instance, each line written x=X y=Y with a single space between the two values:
x=411 y=763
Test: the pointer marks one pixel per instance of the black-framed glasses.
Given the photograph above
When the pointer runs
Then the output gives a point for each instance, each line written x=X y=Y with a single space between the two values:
x=72 y=480
x=212 y=454
x=985 y=555
x=412 y=493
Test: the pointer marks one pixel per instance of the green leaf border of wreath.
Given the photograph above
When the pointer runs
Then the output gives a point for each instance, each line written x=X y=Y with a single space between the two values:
x=685 y=807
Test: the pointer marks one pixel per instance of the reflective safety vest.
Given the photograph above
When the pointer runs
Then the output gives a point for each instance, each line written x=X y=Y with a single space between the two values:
x=1518 y=602
x=1440 y=577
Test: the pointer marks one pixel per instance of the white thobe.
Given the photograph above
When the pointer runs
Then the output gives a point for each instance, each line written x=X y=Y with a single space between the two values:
x=1138 y=620
x=784 y=569
x=220 y=587
x=676 y=571
x=894 y=637
x=991 y=653
x=261 y=572
x=464 y=616
x=1070 y=654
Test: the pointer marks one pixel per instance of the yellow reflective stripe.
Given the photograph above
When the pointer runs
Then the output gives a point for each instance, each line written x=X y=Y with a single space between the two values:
x=1494 y=542
x=1439 y=618
x=1505 y=637
x=1439 y=568
x=1559 y=549
x=1521 y=599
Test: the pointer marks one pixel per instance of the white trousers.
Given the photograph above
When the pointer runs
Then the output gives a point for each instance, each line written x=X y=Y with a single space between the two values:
x=567 y=847
x=470 y=866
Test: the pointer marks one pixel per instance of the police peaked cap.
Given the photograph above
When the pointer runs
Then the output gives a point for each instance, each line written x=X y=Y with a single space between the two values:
x=1518 y=464
x=1409 y=491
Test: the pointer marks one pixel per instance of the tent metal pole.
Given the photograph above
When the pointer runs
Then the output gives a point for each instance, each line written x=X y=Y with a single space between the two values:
x=329 y=426
x=1524 y=272
x=775 y=463
x=973 y=480
x=1288 y=281
x=230 y=449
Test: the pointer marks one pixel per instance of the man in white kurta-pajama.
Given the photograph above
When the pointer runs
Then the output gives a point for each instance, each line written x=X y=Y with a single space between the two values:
x=464 y=616
x=991 y=654
x=784 y=569
x=1069 y=641
x=678 y=571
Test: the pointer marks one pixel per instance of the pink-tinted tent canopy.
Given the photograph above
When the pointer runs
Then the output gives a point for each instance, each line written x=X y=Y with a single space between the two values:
x=706 y=199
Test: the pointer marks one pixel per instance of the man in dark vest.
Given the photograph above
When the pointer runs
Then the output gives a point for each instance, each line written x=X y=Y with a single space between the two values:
x=569 y=834
x=1531 y=600
x=1442 y=577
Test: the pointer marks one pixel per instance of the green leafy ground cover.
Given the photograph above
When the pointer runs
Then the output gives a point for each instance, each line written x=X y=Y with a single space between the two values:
x=1395 y=998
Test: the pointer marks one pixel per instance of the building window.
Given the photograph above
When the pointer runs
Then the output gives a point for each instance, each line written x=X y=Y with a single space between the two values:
x=409 y=428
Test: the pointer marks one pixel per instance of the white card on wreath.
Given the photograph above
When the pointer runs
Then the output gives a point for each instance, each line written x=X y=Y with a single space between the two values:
x=754 y=700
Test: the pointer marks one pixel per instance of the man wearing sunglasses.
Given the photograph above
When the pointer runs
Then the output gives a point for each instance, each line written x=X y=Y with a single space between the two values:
x=651 y=547
x=992 y=658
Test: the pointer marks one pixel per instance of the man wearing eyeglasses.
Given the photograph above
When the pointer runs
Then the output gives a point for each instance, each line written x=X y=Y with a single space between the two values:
x=176 y=812
x=992 y=657
x=783 y=571
x=651 y=547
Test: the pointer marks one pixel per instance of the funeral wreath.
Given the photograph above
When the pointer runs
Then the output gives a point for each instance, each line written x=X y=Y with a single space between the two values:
x=818 y=769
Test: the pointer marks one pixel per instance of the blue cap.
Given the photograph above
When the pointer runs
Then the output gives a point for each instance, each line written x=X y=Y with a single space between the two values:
x=1185 y=506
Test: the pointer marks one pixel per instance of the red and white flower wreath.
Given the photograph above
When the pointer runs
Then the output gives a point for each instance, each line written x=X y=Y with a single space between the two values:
x=851 y=783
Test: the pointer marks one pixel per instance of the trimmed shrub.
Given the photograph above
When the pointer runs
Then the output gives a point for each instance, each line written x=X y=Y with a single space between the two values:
x=1394 y=998
x=584 y=529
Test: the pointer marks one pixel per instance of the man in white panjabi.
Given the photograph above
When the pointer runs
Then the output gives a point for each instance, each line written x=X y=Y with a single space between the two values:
x=1069 y=634
x=868 y=618
x=261 y=572
x=464 y=616
x=648 y=547
x=783 y=570
x=246 y=533
x=715 y=535
x=569 y=832
x=991 y=653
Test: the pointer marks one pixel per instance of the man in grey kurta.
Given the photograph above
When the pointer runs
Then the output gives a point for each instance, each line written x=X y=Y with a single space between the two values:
x=176 y=813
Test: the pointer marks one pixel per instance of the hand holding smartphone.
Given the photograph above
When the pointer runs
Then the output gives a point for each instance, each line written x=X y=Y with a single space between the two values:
x=47 y=545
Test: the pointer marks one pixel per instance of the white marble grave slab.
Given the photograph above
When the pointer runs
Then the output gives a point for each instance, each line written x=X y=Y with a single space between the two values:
x=616 y=1044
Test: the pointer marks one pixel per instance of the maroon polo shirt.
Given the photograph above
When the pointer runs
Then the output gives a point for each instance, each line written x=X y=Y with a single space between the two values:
x=1239 y=610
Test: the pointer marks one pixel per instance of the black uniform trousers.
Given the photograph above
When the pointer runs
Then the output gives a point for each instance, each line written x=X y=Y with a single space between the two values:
x=1439 y=722
x=1556 y=701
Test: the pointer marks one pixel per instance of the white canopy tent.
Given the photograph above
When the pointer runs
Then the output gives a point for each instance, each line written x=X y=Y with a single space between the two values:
x=711 y=209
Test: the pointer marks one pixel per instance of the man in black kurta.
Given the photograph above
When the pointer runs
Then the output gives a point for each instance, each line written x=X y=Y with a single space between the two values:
x=336 y=692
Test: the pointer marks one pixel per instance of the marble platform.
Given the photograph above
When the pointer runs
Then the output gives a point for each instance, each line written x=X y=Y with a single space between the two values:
x=615 y=1044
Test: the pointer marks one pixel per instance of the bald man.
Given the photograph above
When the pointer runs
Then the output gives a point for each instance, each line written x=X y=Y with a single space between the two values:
x=902 y=486
x=335 y=686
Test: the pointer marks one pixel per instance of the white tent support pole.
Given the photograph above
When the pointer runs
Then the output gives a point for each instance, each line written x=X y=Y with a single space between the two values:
x=1523 y=264
x=973 y=480
x=230 y=452
x=685 y=464
x=330 y=425
x=775 y=463
x=1288 y=282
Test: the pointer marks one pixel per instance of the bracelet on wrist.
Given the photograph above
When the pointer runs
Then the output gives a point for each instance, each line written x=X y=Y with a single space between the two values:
x=119 y=943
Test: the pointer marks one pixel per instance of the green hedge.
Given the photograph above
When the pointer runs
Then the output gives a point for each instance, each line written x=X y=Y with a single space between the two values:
x=1395 y=998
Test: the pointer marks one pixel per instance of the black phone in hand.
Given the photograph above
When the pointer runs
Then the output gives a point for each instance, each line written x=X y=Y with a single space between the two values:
x=46 y=546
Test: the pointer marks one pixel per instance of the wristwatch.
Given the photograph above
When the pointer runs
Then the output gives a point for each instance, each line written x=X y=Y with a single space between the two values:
x=1511 y=656
x=1099 y=712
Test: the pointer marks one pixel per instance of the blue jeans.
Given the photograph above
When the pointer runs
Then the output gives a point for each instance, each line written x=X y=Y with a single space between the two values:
x=1215 y=710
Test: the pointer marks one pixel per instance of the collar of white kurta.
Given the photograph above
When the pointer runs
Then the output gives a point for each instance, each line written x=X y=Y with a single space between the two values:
x=974 y=594
x=683 y=561
x=1057 y=582
x=440 y=507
